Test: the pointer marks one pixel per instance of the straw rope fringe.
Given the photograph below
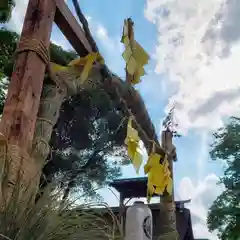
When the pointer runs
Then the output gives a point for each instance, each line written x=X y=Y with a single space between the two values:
x=16 y=165
x=50 y=103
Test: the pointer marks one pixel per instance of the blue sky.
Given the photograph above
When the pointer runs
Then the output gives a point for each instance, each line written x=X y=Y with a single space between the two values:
x=103 y=13
x=194 y=63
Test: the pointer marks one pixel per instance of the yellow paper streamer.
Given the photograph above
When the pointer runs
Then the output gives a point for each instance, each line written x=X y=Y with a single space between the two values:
x=167 y=177
x=87 y=62
x=134 y=55
x=137 y=161
x=169 y=186
x=159 y=176
x=155 y=172
x=132 y=141
x=56 y=68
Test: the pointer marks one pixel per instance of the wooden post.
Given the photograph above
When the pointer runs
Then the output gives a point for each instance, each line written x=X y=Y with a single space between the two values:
x=21 y=106
x=122 y=214
x=129 y=77
x=167 y=207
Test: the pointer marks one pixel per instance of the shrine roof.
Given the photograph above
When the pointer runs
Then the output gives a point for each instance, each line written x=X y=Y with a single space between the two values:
x=135 y=188
x=130 y=187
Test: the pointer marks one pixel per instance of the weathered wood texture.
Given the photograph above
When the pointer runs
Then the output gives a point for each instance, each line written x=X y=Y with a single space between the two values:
x=69 y=26
x=129 y=77
x=22 y=103
x=167 y=201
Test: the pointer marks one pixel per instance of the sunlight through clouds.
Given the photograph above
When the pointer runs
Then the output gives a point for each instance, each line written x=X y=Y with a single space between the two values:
x=17 y=18
x=199 y=52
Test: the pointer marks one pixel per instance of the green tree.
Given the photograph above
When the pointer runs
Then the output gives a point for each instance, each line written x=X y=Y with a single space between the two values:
x=224 y=214
x=93 y=134
x=6 y=7
x=87 y=134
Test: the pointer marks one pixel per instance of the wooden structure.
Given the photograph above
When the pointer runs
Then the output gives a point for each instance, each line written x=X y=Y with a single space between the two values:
x=136 y=188
x=22 y=103
x=167 y=200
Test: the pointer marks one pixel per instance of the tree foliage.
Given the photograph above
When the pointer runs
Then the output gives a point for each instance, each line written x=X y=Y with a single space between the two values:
x=6 y=7
x=224 y=214
x=90 y=130
x=86 y=137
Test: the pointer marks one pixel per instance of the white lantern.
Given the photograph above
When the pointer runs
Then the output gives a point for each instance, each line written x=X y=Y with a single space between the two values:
x=138 y=222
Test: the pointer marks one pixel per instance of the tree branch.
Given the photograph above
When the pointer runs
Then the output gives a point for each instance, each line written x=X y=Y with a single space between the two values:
x=131 y=100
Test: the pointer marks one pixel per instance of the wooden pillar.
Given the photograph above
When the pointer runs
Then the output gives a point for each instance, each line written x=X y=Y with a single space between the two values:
x=122 y=213
x=167 y=207
x=129 y=77
x=21 y=106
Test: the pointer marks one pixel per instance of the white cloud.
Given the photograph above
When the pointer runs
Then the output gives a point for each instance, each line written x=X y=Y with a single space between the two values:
x=202 y=196
x=111 y=44
x=107 y=46
x=101 y=33
x=17 y=18
x=199 y=52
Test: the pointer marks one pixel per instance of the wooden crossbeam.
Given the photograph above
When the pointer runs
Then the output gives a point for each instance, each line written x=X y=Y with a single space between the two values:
x=71 y=29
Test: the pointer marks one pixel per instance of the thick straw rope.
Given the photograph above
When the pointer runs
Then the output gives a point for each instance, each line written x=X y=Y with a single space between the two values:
x=36 y=46
x=41 y=149
x=18 y=172
x=18 y=168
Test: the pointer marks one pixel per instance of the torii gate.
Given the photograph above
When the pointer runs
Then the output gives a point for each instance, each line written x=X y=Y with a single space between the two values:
x=23 y=98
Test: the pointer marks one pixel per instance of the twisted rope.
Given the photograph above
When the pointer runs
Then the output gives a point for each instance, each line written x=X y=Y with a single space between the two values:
x=41 y=148
x=34 y=45
x=38 y=46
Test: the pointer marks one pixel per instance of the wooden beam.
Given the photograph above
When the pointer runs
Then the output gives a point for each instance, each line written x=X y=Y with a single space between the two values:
x=21 y=106
x=71 y=29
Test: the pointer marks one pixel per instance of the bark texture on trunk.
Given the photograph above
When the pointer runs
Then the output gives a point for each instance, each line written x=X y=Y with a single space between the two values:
x=18 y=175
